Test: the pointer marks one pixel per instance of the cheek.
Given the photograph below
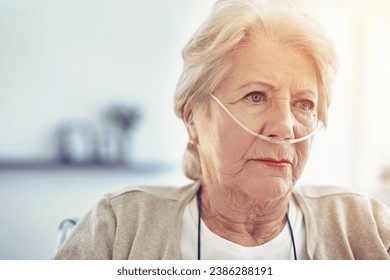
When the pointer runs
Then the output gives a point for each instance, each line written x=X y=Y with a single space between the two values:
x=223 y=142
x=232 y=142
x=302 y=153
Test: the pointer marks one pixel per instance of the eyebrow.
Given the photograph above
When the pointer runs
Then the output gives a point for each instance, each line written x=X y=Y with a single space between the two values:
x=308 y=91
x=260 y=83
x=273 y=88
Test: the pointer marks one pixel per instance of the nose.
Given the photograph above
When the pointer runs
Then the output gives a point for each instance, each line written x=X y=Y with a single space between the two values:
x=279 y=121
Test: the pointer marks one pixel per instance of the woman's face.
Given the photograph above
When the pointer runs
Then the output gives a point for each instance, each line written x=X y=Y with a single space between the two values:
x=234 y=161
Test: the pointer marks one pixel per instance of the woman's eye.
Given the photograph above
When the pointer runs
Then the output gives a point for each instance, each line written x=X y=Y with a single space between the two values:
x=256 y=96
x=305 y=105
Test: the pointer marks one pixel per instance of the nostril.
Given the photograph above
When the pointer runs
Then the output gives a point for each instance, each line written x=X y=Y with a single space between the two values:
x=287 y=134
x=272 y=135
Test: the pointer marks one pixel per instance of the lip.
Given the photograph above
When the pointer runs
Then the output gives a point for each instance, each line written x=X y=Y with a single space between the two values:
x=277 y=163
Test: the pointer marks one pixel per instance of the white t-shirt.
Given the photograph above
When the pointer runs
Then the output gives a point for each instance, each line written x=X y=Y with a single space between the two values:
x=214 y=247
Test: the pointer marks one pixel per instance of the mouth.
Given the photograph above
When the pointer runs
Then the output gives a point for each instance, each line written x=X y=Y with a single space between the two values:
x=276 y=163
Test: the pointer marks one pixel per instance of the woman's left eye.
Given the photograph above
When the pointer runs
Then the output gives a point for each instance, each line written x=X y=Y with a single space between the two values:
x=305 y=105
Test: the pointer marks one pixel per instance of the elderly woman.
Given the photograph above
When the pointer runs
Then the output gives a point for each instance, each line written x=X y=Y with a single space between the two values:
x=254 y=90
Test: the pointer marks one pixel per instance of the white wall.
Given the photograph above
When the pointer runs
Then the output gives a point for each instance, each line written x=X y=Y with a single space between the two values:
x=354 y=149
x=67 y=59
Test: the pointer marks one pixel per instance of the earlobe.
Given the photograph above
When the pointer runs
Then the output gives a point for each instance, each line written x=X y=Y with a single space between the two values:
x=192 y=133
x=191 y=127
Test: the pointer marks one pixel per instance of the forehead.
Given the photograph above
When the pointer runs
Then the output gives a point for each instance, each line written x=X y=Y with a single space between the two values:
x=271 y=63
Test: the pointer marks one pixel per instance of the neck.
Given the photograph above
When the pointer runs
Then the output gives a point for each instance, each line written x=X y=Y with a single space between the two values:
x=243 y=220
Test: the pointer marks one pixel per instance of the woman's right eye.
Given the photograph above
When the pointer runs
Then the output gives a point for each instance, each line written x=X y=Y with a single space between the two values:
x=256 y=96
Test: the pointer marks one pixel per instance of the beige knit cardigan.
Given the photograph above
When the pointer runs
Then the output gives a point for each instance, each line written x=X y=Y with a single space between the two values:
x=145 y=223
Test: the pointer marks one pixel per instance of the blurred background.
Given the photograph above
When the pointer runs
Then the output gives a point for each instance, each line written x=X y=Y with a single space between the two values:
x=86 y=106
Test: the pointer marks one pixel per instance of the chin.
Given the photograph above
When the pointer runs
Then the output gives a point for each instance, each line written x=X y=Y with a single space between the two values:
x=269 y=189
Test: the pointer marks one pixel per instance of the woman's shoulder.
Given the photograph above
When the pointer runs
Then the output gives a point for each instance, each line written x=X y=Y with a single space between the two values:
x=333 y=212
x=133 y=195
x=318 y=192
x=338 y=199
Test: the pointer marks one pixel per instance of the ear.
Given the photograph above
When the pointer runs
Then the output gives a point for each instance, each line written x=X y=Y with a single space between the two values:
x=190 y=126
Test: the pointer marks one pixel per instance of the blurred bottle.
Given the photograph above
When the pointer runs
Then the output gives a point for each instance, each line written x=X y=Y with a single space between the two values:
x=110 y=146
x=115 y=139
x=76 y=142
